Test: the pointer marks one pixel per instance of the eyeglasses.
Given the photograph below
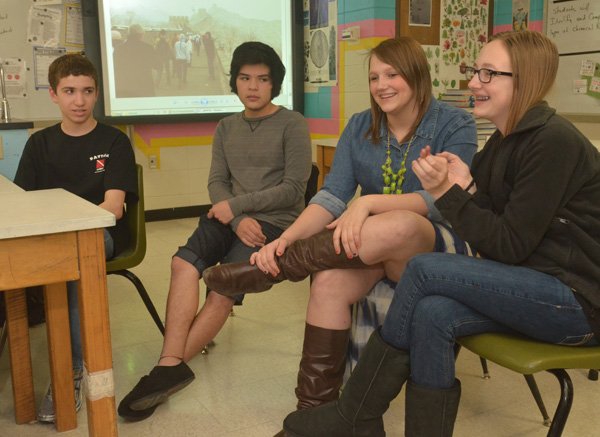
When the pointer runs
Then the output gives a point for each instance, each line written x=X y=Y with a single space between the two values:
x=485 y=74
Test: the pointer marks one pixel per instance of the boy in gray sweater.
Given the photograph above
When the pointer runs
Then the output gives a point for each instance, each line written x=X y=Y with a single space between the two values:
x=261 y=161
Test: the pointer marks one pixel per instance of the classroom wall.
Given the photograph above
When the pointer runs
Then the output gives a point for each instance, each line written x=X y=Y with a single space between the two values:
x=183 y=151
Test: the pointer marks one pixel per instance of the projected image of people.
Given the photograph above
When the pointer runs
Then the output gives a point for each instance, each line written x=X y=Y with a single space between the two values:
x=180 y=47
x=134 y=61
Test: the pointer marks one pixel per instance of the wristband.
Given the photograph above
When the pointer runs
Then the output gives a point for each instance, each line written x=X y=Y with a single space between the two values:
x=471 y=185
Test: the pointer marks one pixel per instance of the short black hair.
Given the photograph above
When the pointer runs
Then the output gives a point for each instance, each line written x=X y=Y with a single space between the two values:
x=253 y=53
x=74 y=64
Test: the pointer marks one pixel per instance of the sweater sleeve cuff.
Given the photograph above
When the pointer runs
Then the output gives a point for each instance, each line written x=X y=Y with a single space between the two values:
x=236 y=221
x=454 y=198
x=237 y=205
x=433 y=213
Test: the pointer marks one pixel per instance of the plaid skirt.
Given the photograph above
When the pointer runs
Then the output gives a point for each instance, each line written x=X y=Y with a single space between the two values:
x=370 y=311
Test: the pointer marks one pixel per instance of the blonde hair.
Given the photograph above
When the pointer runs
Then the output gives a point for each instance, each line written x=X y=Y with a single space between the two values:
x=407 y=57
x=534 y=59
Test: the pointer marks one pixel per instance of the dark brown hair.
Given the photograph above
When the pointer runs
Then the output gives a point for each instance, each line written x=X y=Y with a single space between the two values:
x=70 y=64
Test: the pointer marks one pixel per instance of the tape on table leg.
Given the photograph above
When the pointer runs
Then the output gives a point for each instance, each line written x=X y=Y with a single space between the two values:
x=99 y=384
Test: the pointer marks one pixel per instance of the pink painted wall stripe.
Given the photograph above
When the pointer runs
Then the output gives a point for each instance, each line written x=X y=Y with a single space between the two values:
x=371 y=28
x=149 y=131
x=323 y=126
x=533 y=25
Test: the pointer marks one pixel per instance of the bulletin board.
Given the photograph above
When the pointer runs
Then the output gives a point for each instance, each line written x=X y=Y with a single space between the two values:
x=574 y=25
x=62 y=22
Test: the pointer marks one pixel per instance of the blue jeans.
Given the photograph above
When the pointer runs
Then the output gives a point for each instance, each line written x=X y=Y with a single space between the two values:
x=74 y=326
x=443 y=296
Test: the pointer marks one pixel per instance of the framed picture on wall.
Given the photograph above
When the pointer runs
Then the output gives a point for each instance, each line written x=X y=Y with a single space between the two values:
x=419 y=19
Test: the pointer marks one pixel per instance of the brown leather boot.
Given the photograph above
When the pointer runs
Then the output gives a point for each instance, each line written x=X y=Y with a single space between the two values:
x=375 y=381
x=322 y=366
x=302 y=258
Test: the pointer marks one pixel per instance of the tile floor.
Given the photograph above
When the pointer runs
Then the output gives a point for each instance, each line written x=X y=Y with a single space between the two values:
x=244 y=386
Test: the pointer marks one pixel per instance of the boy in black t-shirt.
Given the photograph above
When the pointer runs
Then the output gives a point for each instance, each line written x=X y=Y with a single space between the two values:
x=87 y=158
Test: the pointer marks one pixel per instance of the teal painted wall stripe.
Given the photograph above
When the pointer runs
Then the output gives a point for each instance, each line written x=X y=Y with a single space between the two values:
x=318 y=105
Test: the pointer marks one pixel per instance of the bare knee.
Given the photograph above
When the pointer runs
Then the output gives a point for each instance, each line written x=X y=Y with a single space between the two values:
x=398 y=227
x=326 y=285
x=343 y=287
x=396 y=235
x=218 y=301
x=180 y=267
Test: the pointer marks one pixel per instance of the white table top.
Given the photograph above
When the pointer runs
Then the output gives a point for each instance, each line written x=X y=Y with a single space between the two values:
x=6 y=186
x=27 y=213
x=327 y=142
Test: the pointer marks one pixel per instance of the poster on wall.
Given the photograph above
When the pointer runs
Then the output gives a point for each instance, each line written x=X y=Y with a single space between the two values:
x=420 y=13
x=520 y=14
x=320 y=36
x=15 y=77
x=574 y=26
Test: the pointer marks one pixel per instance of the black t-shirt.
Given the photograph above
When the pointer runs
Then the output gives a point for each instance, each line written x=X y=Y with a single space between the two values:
x=88 y=166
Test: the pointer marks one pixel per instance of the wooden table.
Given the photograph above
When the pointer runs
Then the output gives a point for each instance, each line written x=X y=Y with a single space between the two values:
x=49 y=237
x=325 y=152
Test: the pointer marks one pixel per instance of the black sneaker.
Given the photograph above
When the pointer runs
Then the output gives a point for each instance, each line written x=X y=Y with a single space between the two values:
x=155 y=388
x=133 y=415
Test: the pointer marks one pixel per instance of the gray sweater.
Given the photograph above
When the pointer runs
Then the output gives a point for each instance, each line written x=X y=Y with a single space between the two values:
x=261 y=166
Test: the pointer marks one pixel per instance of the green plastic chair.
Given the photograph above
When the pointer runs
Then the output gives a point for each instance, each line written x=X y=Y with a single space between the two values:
x=134 y=254
x=527 y=356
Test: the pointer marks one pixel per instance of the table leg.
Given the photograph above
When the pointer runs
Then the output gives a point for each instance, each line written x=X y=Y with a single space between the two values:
x=59 y=352
x=321 y=165
x=95 y=334
x=20 y=355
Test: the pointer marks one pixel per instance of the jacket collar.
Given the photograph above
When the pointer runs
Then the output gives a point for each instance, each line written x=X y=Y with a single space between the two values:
x=535 y=117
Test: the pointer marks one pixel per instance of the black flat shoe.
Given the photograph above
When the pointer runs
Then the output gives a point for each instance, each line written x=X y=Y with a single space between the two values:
x=155 y=388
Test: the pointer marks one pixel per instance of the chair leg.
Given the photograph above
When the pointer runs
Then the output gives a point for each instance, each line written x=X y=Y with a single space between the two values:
x=538 y=398
x=144 y=295
x=592 y=374
x=484 y=368
x=564 y=404
x=3 y=335
x=207 y=347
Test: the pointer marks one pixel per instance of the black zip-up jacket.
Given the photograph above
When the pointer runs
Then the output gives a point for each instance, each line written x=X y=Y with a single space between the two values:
x=537 y=203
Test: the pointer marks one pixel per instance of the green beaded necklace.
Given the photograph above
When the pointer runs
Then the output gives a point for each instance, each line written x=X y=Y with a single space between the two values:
x=392 y=182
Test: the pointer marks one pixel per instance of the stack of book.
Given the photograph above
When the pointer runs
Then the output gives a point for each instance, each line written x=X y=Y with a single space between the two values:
x=485 y=129
x=459 y=98
x=464 y=99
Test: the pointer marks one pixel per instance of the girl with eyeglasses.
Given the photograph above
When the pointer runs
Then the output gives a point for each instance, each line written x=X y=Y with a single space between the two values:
x=530 y=207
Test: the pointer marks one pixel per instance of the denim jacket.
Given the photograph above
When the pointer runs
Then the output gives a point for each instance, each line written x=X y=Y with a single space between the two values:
x=357 y=161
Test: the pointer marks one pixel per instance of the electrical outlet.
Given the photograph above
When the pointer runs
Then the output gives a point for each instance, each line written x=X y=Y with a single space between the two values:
x=152 y=162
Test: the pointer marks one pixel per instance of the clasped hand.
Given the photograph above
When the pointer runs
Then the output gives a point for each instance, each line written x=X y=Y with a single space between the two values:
x=221 y=211
x=439 y=172
x=248 y=230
